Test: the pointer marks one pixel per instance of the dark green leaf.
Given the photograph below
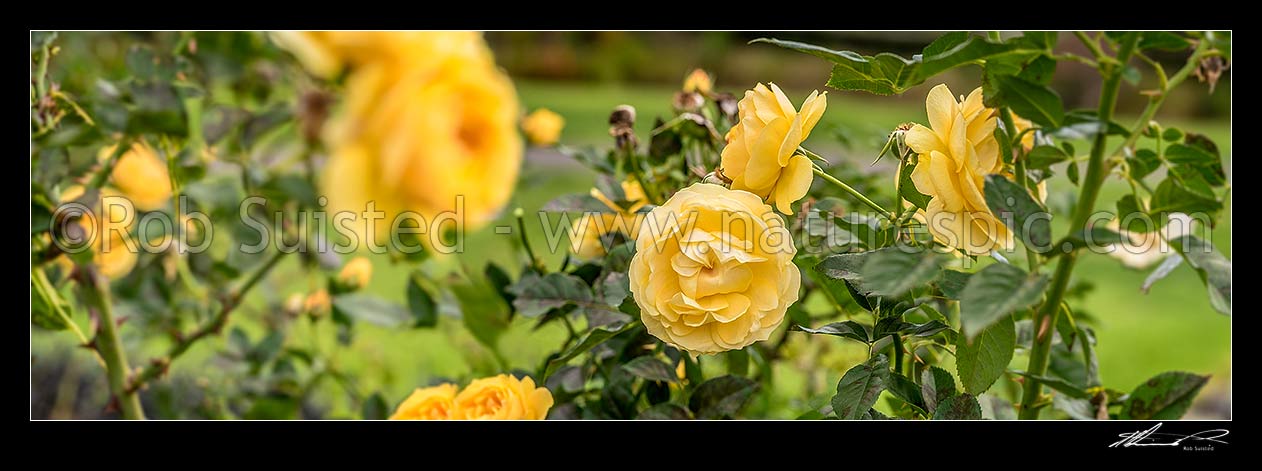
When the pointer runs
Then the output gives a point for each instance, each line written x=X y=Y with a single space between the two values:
x=860 y=387
x=849 y=329
x=893 y=273
x=375 y=408
x=1039 y=70
x=907 y=189
x=371 y=309
x=953 y=282
x=961 y=407
x=1043 y=39
x=1094 y=237
x=994 y=293
x=721 y=397
x=1166 y=396
x=1213 y=268
x=1144 y=162
x=1070 y=389
x=907 y=391
x=1013 y=205
x=421 y=304
x=591 y=340
x=1129 y=214
x=936 y=385
x=1171 y=196
x=1164 y=41
x=484 y=314
x=1033 y=101
x=499 y=280
x=982 y=360
x=650 y=369
x=1042 y=157
x=665 y=411
x=536 y=295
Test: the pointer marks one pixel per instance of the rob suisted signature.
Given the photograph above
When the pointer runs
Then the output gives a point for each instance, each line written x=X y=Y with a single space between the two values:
x=1151 y=437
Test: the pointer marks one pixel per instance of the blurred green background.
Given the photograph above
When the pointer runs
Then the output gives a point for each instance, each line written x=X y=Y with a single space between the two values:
x=583 y=76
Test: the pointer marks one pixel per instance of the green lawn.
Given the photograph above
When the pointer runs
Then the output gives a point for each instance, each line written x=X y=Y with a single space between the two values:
x=1171 y=328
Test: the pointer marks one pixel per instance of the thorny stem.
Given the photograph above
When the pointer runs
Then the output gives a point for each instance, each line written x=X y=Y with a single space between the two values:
x=1045 y=316
x=45 y=290
x=158 y=366
x=96 y=291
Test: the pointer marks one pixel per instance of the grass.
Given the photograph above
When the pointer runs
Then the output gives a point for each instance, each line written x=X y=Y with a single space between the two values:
x=1170 y=328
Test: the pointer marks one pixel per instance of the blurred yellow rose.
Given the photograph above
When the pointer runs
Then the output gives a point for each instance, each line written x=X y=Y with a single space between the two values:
x=543 y=127
x=107 y=230
x=502 y=397
x=761 y=153
x=956 y=152
x=588 y=232
x=141 y=176
x=698 y=82
x=327 y=53
x=356 y=273
x=713 y=270
x=318 y=303
x=432 y=403
x=431 y=134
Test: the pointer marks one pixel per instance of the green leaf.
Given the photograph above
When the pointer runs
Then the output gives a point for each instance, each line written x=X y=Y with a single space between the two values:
x=665 y=411
x=1013 y=205
x=1070 y=389
x=848 y=329
x=893 y=273
x=994 y=293
x=907 y=391
x=1043 y=39
x=499 y=280
x=1171 y=196
x=536 y=295
x=650 y=369
x=1144 y=162
x=860 y=387
x=953 y=282
x=936 y=386
x=484 y=313
x=1172 y=135
x=1095 y=236
x=1136 y=221
x=1033 y=101
x=961 y=407
x=982 y=360
x=1167 y=266
x=1163 y=41
x=421 y=304
x=1213 y=268
x=1202 y=158
x=371 y=309
x=889 y=74
x=721 y=397
x=1166 y=396
x=596 y=337
x=375 y=408
x=907 y=189
x=1039 y=70
x=1042 y=157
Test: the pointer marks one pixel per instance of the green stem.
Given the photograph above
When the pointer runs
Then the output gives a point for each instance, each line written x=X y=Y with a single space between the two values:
x=1157 y=100
x=158 y=366
x=1091 y=44
x=45 y=290
x=1018 y=160
x=855 y=193
x=1045 y=316
x=535 y=261
x=96 y=292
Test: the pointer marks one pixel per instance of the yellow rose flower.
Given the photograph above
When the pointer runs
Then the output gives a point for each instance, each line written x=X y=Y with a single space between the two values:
x=356 y=273
x=713 y=270
x=110 y=241
x=698 y=82
x=432 y=141
x=433 y=403
x=502 y=397
x=543 y=127
x=327 y=53
x=141 y=176
x=956 y=154
x=318 y=303
x=588 y=231
x=761 y=153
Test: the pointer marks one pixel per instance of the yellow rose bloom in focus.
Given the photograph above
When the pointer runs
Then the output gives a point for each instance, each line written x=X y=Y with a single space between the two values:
x=433 y=403
x=761 y=153
x=141 y=176
x=543 y=127
x=356 y=273
x=698 y=82
x=502 y=397
x=1021 y=124
x=956 y=153
x=432 y=135
x=713 y=270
